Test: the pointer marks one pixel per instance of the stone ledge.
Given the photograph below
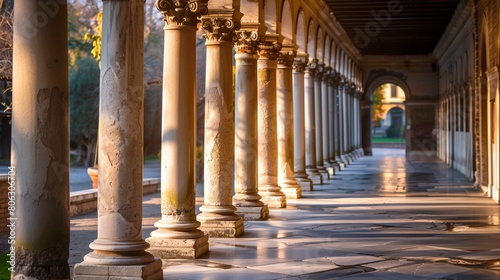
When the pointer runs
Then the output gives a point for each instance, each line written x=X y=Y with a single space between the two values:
x=171 y=248
x=85 y=201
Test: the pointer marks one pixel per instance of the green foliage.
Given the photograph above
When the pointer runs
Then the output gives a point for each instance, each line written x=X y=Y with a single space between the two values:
x=393 y=132
x=84 y=99
x=377 y=100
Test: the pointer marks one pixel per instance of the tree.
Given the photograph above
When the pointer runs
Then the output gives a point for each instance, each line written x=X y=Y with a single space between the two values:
x=377 y=100
x=6 y=14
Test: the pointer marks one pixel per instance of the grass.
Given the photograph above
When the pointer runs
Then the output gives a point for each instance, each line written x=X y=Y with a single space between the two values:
x=4 y=266
x=388 y=140
x=151 y=157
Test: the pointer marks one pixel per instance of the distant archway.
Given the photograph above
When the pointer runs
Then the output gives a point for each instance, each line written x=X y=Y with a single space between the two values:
x=375 y=79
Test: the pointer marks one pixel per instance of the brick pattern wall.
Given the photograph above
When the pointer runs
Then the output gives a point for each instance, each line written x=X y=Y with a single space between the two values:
x=4 y=213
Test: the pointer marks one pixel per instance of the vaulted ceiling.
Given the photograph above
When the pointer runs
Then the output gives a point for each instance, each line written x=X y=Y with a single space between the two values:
x=394 y=27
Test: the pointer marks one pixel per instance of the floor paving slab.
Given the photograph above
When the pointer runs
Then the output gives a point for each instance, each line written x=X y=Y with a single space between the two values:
x=348 y=228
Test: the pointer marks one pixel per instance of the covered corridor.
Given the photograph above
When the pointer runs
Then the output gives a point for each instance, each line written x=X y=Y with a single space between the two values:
x=287 y=140
x=383 y=217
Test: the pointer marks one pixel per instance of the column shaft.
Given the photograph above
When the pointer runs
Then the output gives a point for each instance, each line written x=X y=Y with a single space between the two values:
x=178 y=235
x=284 y=105
x=218 y=217
x=326 y=122
x=331 y=124
x=268 y=138
x=119 y=225
x=318 y=120
x=310 y=127
x=40 y=144
x=246 y=199
x=299 y=131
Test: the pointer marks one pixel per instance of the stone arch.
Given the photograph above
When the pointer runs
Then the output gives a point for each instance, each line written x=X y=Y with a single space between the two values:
x=333 y=50
x=311 y=39
x=379 y=77
x=326 y=48
x=319 y=51
x=286 y=22
x=271 y=16
x=300 y=32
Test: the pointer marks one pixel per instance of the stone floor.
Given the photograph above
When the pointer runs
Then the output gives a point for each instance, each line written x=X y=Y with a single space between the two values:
x=380 y=218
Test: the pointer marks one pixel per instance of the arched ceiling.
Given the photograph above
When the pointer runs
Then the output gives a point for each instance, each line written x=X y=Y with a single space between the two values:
x=394 y=27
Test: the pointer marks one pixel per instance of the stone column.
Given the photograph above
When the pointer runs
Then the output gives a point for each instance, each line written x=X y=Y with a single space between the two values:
x=366 y=126
x=325 y=94
x=218 y=218
x=344 y=130
x=119 y=250
x=310 y=127
x=284 y=113
x=299 y=129
x=246 y=199
x=178 y=235
x=318 y=120
x=40 y=144
x=332 y=103
x=268 y=135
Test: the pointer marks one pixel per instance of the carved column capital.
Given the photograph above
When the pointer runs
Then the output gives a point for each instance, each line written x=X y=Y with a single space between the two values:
x=311 y=67
x=269 y=46
x=248 y=36
x=287 y=55
x=320 y=71
x=221 y=25
x=299 y=62
x=182 y=12
x=326 y=73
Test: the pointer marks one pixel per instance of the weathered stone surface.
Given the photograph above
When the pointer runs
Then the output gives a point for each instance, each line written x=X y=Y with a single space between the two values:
x=171 y=248
x=151 y=271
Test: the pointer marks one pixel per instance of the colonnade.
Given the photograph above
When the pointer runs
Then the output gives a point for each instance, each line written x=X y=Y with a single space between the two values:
x=292 y=122
x=455 y=145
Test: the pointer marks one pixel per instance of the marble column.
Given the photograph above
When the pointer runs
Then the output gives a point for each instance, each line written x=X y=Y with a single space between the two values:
x=299 y=128
x=338 y=126
x=178 y=235
x=343 y=123
x=284 y=114
x=325 y=100
x=119 y=250
x=318 y=120
x=332 y=103
x=218 y=217
x=310 y=127
x=366 y=127
x=268 y=135
x=40 y=145
x=246 y=199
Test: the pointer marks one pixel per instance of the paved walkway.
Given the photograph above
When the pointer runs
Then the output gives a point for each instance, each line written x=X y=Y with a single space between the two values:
x=380 y=218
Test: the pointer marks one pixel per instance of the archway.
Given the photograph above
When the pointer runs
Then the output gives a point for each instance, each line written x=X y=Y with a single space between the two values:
x=376 y=79
x=388 y=116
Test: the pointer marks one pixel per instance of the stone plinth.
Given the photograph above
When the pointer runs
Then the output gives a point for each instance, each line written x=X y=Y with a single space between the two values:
x=250 y=213
x=152 y=271
x=182 y=248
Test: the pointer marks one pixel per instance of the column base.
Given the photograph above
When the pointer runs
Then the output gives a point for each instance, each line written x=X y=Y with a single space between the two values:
x=292 y=192
x=274 y=201
x=316 y=178
x=151 y=271
x=253 y=213
x=322 y=170
x=223 y=228
x=306 y=184
x=331 y=170
x=171 y=248
x=336 y=165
